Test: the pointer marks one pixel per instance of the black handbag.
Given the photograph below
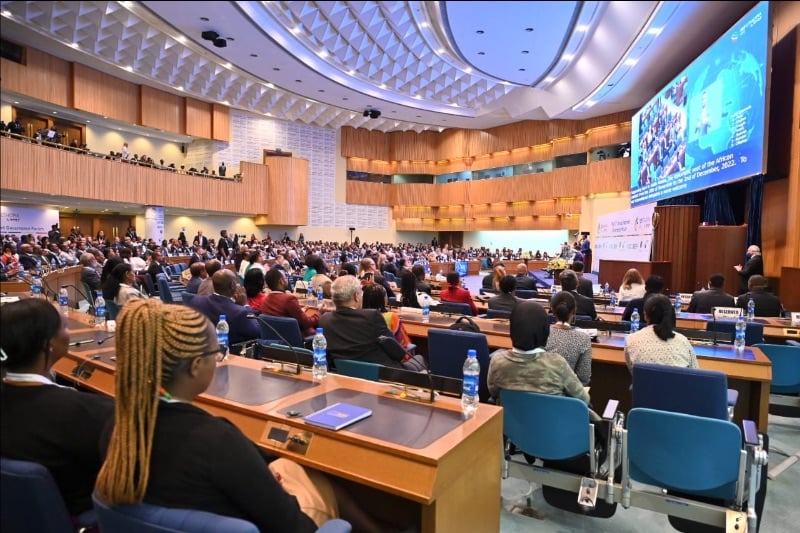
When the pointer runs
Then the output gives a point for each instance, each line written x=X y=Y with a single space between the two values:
x=465 y=323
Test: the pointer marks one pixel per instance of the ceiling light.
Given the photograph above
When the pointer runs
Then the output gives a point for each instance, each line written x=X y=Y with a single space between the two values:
x=655 y=31
x=228 y=66
x=567 y=57
x=631 y=62
x=582 y=28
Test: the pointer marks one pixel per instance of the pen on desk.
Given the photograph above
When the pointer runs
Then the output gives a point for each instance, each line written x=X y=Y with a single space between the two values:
x=84 y=341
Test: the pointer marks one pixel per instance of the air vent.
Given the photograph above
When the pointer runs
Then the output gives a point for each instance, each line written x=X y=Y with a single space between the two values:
x=12 y=52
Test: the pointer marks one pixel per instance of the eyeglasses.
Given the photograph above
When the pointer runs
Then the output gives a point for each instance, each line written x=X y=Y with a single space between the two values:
x=218 y=355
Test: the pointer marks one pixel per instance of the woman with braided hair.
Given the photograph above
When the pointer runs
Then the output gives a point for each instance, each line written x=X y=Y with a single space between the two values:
x=165 y=451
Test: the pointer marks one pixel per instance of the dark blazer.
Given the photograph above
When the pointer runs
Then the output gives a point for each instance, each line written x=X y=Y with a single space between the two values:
x=242 y=328
x=636 y=303
x=703 y=301
x=202 y=241
x=525 y=282
x=585 y=287
x=353 y=334
x=584 y=305
x=193 y=284
x=767 y=304
x=503 y=302
x=755 y=265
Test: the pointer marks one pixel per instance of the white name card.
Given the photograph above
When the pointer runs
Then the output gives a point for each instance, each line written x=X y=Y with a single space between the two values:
x=686 y=298
x=726 y=312
x=796 y=319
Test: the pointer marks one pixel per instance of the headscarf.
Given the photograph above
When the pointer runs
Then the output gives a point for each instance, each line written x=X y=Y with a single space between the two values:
x=530 y=326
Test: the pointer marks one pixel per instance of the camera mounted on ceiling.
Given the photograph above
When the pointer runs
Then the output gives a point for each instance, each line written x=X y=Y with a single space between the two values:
x=372 y=113
x=211 y=35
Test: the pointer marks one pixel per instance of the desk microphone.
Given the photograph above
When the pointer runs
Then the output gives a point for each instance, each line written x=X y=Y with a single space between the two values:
x=91 y=305
x=714 y=325
x=104 y=339
x=281 y=337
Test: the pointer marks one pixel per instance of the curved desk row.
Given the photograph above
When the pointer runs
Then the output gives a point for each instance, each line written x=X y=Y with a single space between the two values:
x=425 y=457
x=750 y=372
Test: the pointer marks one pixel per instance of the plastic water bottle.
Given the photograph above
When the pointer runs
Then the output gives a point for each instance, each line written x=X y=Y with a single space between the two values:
x=635 y=320
x=63 y=300
x=606 y=288
x=741 y=329
x=469 y=394
x=320 y=296
x=36 y=285
x=426 y=313
x=613 y=301
x=678 y=305
x=223 y=334
x=99 y=310
x=320 y=345
x=751 y=309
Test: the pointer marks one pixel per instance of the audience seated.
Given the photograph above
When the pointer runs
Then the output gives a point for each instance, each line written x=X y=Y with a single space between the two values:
x=89 y=274
x=281 y=303
x=524 y=280
x=206 y=287
x=42 y=422
x=704 y=301
x=228 y=299
x=632 y=286
x=454 y=292
x=353 y=332
x=188 y=458
x=573 y=345
x=254 y=288
x=658 y=342
x=199 y=273
x=505 y=301
x=584 y=284
x=374 y=297
x=654 y=285
x=119 y=286
x=767 y=304
x=583 y=305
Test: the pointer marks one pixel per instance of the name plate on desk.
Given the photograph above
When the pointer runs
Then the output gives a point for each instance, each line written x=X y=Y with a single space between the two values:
x=795 y=319
x=726 y=312
x=686 y=298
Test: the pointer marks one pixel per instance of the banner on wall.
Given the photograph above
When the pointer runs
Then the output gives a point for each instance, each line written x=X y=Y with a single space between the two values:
x=154 y=223
x=625 y=235
x=18 y=220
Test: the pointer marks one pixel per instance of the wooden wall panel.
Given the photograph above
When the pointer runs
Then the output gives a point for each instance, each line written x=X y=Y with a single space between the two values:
x=198 y=118
x=360 y=142
x=220 y=123
x=719 y=248
x=102 y=94
x=416 y=194
x=609 y=175
x=775 y=226
x=411 y=146
x=570 y=182
x=607 y=135
x=30 y=167
x=43 y=77
x=569 y=145
x=287 y=195
x=366 y=193
x=162 y=110
x=676 y=241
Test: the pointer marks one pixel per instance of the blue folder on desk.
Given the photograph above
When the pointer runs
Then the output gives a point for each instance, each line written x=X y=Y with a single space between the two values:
x=338 y=416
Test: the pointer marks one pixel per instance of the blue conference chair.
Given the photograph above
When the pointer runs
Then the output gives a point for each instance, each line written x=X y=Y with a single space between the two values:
x=558 y=431
x=453 y=308
x=498 y=313
x=357 y=369
x=526 y=294
x=447 y=351
x=275 y=327
x=31 y=500
x=112 y=309
x=695 y=466
x=754 y=334
x=187 y=297
x=691 y=391
x=165 y=292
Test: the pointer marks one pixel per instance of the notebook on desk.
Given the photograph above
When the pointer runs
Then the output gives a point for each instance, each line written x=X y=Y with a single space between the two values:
x=338 y=416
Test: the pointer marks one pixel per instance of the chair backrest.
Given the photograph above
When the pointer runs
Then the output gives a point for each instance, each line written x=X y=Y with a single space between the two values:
x=689 y=454
x=163 y=288
x=287 y=354
x=498 y=313
x=544 y=425
x=754 y=334
x=357 y=369
x=681 y=390
x=187 y=297
x=286 y=326
x=454 y=308
x=150 y=284
x=388 y=276
x=447 y=351
x=89 y=293
x=785 y=361
x=525 y=294
x=444 y=384
x=147 y=518
x=112 y=309
x=27 y=490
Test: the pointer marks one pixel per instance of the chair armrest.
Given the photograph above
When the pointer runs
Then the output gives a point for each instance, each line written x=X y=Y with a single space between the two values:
x=733 y=397
x=610 y=410
x=750 y=432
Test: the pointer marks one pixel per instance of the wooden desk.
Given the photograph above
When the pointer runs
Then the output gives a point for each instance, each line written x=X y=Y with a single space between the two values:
x=750 y=373
x=51 y=282
x=453 y=480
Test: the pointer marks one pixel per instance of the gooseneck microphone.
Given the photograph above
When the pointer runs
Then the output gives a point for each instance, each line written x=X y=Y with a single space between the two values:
x=104 y=339
x=80 y=292
x=283 y=339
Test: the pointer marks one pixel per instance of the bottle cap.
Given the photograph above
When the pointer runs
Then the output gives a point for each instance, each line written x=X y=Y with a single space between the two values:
x=319 y=330
x=472 y=353
x=222 y=317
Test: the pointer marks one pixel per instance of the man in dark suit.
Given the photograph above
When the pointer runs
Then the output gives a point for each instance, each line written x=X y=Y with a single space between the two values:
x=198 y=270
x=583 y=305
x=353 y=332
x=767 y=304
x=422 y=285
x=523 y=280
x=505 y=301
x=229 y=299
x=201 y=240
x=704 y=301
x=752 y=267
x=584 y=284
x=652 y=285
x=224 y=246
